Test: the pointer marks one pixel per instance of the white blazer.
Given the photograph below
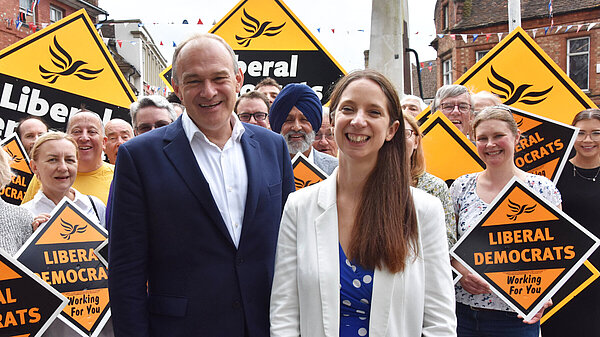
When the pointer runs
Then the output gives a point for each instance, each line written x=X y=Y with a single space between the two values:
x=305 y=298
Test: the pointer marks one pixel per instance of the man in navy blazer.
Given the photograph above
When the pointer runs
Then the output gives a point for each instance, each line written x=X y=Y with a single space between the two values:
x=195 y=210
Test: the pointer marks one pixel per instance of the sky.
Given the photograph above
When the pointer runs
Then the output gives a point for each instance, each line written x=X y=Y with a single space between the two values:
x=350 y=21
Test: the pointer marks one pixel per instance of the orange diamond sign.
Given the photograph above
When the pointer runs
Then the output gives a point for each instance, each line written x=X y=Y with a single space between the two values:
x=524 y=247
x=61 y=253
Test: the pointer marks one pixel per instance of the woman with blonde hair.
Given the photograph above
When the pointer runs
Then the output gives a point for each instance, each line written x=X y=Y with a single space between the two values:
x=15 y=222
x=54 y=159
x=424 y=180
x=479 y=311
x=362 y=253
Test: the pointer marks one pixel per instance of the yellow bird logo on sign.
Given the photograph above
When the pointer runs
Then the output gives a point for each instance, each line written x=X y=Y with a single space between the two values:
x=66 y=67
x=256 y=29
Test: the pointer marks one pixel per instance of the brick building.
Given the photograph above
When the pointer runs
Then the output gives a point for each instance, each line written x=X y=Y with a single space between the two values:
x=576 y=53
x=45 y=13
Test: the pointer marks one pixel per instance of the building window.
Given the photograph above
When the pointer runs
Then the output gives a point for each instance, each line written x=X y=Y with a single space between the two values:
x=25 y=11
x=480 y=54
x=578 y=61
x=445 y=17
x=447 y=71
x=55 y=14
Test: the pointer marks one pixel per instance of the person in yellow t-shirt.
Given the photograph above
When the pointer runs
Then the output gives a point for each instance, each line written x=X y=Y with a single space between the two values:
x=93 y=175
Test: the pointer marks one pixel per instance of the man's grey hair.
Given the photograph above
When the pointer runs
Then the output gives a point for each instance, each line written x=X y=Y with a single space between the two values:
x=195 y=37
x=94 y=114
x=152 y=100
x=450 y=90
x=422 y=104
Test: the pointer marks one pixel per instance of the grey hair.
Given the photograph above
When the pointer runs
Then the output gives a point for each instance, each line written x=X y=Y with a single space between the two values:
x=96 y=115
x=152 y=100
x=422 y=104
x=5 y=172
x=195 y=37
x=450 y=90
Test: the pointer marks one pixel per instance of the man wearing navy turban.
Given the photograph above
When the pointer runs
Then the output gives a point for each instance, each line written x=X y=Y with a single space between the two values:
x=296 y=113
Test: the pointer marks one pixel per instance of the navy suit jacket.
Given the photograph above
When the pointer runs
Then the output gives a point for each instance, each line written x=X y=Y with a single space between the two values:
x=174 y=269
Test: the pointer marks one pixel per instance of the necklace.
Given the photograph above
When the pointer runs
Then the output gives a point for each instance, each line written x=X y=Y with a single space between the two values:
x=575 y=172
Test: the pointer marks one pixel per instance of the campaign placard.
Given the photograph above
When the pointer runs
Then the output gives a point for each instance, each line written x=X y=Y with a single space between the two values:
x=524 y=247
x=14 y=191
x=574 y=286
x=27 y=304
x=449 y=154
x=56 y=71
x=305 y=172
x=545 y=144
x=61 y=253
x=102 y=252
x=270 y=41
x=519 y=72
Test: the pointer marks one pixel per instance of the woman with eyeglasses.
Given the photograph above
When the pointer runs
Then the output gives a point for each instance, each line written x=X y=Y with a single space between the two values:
x=362 y=253
x=427 y=181
x=579 y=185
x=480 y=312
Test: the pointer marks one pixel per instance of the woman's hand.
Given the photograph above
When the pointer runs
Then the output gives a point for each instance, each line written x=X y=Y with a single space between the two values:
x=539 y=314
x=470 y=282
x=40 y=219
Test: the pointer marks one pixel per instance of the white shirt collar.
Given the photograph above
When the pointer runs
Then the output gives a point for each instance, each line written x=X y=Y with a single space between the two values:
x=191 y=129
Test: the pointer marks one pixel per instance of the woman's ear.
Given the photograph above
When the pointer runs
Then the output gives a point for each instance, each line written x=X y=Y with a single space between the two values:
x=392 y=129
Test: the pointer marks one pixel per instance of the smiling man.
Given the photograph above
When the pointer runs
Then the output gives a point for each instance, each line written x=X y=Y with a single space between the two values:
x=117 y=132
x=195 y=210
x=456 y=103
x=296 y=113
x=94 y=176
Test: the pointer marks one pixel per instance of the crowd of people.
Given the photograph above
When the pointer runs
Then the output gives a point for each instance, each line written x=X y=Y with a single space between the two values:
x=208 y=237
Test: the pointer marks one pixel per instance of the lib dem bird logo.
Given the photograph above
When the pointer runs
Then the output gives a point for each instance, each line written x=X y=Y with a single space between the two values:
x=505 y=89
x=256 y=29
x=518 y=209
x=71 y=229
x=66 y=67
x=301 y=183
x=15 y=158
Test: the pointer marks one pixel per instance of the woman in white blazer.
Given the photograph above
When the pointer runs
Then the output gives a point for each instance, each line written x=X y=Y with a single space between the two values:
x=363 y=253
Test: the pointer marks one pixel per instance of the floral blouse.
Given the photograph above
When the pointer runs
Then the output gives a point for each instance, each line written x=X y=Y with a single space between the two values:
x=437 y=187
x=470 y=208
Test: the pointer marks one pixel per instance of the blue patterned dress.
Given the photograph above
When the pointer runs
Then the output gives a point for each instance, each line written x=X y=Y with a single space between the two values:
x=356 y=288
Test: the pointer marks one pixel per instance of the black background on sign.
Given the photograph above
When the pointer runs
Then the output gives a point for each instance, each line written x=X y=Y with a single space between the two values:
x=28 y=294
x=52 y=96
x=564 y=234
x=314 y=68
x=550 y=132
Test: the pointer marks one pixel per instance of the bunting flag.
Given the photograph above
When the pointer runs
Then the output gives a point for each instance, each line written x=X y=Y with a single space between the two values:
x=140 y=24
x=319 y=30
x=475 y=36
x=568 y=27
x=591 y=25
x=174 y=45
x=534 y=32
x=546 y=30
x=333 y=30
x=557 y=29
x=440 y=35
x=464 y=37
x=487 y=37
x=120 y=43
x=185 y=22
x=199 y=22
x=453 y=37
x=500 y=36
x=161 y=43
x=579 y=27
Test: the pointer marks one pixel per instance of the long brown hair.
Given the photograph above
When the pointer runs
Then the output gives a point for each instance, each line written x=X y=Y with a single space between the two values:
x=385 y=229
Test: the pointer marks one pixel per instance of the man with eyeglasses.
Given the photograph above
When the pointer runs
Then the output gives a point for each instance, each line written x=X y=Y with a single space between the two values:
x=151 y=112
x=253 y=107
x=295 y=114
x=324 y=140
x=456 y=103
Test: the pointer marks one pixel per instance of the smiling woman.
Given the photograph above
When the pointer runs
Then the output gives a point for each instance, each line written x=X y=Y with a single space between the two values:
x=496 y=136
x=349 y=242
x=54 y=160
